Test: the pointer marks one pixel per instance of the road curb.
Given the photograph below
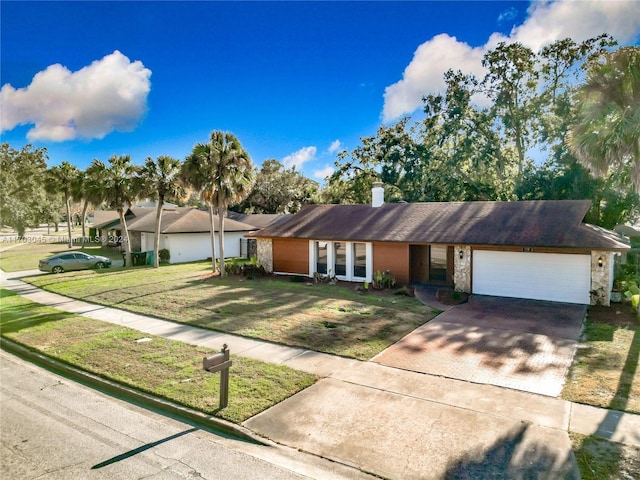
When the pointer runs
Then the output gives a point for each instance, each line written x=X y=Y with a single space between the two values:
x=130 y=394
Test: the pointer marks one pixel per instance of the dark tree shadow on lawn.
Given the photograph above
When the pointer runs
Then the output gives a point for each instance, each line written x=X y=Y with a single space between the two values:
x=621 y=398
x=20 y=317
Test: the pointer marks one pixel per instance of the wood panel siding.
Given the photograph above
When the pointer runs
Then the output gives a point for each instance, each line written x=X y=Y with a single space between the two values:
x=291 y=256
x=393 y=257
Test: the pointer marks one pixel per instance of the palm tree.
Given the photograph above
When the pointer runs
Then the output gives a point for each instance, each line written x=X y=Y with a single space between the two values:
x=159 y=179
x=119 y=188
x=606 y=131
x=234 y=178
x=223 y=172
x=59 y=180
x=87 y=188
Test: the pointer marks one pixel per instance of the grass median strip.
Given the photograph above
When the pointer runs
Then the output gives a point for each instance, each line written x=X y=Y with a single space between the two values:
x=605 y=369
x=327 y=318
x=162 y=367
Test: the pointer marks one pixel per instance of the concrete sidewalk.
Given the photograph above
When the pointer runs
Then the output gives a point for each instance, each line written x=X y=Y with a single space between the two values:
x=391 y=422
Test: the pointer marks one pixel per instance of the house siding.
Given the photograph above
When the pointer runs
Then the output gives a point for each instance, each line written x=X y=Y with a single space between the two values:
x=393 y=257
x=291 y=256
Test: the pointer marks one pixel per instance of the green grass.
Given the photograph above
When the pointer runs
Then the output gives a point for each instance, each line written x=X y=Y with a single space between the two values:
x=165 y=368
x=600 y=459
x=605 y=369
x=327 y=318
x=25 y=256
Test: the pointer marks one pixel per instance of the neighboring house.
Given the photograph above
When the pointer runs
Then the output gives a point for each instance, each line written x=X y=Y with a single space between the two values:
x=531 y=249
x=185 y=232
x=109 y=229
x=249 y=246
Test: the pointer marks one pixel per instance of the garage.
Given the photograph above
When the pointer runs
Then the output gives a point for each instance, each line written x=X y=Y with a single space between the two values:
x=539 y=276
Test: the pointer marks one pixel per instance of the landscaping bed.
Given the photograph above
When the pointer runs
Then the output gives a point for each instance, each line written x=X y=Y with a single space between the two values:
x=335 y=319
x=165 y=368
x=605 y=369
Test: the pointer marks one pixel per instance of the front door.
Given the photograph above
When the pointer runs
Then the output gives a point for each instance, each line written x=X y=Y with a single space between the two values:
x=431 y=264
x=419 y=261
x=438 y=264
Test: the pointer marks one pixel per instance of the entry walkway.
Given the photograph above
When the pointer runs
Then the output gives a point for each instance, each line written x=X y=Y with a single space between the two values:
x=391 y=422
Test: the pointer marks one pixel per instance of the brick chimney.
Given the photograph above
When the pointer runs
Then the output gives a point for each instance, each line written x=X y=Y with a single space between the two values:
x=377 y=195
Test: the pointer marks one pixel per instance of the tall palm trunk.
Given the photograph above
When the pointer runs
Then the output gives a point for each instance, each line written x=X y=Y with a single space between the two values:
x=85 y=207
x=221 y=211
x=67 y=202
x=213 y=238
x=125 y=238
x=156 y=240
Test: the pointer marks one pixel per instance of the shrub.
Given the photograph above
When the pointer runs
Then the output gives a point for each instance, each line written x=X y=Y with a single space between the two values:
x=406 y=291
x=253 y=270
x=383 y=280
x=164 y=255
x=233 y=266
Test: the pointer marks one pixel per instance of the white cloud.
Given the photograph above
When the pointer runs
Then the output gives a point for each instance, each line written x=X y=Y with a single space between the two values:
x=297 y=159
x=507 y=15
x=110 y=94
x=324 y=173
x=425 y=73
x=546 y=22
x=335 y=146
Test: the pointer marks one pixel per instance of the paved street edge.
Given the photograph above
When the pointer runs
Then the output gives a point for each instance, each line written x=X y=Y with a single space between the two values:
x=129 y=394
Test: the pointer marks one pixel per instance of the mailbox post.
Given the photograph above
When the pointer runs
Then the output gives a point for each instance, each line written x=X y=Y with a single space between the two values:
x=220 y=362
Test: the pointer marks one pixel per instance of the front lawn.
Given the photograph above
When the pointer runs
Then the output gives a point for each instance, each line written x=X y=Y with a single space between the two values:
x=164 y=368
x=600 y=459
x=327 y=318
x=605 y=368
x=25 y=256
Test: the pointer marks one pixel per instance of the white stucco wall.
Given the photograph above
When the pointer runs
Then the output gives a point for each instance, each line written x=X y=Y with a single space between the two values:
x=191 y=247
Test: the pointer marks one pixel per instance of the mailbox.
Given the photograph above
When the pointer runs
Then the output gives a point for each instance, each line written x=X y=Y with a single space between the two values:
x=216 y=362
x=220 y=362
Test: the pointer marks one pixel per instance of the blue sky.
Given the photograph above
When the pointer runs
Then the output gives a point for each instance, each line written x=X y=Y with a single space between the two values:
x=295 y=81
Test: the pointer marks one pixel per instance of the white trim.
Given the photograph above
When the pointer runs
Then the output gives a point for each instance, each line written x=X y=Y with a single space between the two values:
x=349 y=277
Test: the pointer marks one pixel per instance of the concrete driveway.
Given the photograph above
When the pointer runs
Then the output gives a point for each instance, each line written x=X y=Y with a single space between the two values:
x=521 y=344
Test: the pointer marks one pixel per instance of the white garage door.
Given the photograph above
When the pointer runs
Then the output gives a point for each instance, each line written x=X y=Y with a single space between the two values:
x=539 y=276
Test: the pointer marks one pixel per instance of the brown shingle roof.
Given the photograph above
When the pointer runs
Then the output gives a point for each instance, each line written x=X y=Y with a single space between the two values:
x=542 y=223
x=109 y=219
x=185 y=220
x=260 y=220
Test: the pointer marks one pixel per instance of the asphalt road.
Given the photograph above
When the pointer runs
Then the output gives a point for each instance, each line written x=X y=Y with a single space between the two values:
x=56 y=429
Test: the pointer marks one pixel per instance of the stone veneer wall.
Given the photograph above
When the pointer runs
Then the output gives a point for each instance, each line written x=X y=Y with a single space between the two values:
x=600 y=278
x=265 y=253
x=462 y=268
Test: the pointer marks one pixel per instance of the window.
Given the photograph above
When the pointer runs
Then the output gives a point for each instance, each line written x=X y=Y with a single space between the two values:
x=339 y=258
x=438 y=263
x=321 y=257
x=359 y=260
x=340 y=262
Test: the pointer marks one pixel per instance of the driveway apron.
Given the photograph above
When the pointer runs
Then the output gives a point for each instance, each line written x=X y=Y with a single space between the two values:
x=521 y=344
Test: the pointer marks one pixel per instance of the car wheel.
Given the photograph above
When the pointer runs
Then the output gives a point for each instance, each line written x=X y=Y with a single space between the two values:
x=57 y=269
x=99 y=265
